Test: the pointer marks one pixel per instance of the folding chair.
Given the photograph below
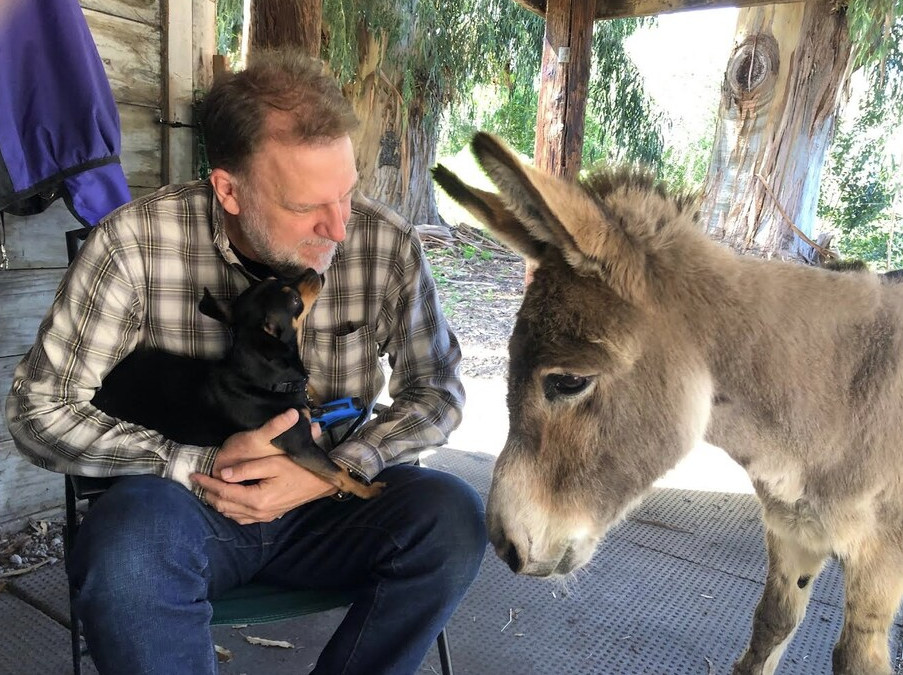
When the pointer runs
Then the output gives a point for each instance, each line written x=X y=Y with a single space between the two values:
x=253 y=603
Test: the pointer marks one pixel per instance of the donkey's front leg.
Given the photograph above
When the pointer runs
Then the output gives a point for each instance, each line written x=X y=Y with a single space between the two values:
x=874 y=585
x=792 y=569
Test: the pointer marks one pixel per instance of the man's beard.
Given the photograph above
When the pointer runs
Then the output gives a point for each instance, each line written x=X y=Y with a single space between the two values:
x=288 y=261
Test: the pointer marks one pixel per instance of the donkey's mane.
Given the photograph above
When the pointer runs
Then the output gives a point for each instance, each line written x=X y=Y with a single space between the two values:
x=601 y=182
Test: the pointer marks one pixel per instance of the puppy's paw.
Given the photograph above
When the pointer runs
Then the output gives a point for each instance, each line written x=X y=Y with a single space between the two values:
x=368 y=491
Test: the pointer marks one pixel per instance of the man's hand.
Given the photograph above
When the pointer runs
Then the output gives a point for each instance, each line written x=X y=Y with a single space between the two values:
x=280 y=486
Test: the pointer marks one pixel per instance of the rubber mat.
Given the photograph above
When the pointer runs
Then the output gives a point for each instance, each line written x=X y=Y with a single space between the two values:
x=32 y=643
x=46 y=589
x=670 y=592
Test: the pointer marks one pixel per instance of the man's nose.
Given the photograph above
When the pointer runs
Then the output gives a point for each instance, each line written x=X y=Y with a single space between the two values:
x=333 y=222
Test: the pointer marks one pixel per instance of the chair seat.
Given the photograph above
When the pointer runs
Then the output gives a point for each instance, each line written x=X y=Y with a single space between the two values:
x=263 y=603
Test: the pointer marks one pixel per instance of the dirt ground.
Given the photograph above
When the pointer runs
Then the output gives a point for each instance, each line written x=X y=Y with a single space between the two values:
x=480 y=295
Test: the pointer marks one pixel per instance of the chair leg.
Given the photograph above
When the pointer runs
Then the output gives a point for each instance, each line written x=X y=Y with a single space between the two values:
x=444 y=653
x=75 y=635
x=68 y=539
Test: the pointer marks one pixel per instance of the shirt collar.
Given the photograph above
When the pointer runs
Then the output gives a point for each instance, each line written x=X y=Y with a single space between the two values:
x=218 y=227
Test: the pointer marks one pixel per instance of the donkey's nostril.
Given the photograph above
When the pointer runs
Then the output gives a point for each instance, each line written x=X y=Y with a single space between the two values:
x=510 y=556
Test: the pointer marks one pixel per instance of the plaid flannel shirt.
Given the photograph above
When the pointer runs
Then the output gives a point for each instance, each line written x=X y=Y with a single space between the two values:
x=137 y=282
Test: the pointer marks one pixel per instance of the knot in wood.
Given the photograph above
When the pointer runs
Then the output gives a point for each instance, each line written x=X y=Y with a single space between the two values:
x=389 y=150
x=753 y=66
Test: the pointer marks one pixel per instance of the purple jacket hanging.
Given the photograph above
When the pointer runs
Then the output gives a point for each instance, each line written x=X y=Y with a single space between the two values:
x=59 y=126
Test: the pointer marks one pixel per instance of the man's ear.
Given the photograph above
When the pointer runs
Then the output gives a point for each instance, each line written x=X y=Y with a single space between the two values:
x=215 y=309
x=226 y=188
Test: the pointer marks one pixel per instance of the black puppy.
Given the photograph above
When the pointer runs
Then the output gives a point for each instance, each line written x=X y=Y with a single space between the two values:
x=203 y=402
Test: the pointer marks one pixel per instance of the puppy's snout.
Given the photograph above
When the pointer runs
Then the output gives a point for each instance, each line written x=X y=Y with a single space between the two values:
x=309 y=283
x=308 y=286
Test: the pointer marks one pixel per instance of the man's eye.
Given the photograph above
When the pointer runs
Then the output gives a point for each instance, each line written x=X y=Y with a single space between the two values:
x=564 y=384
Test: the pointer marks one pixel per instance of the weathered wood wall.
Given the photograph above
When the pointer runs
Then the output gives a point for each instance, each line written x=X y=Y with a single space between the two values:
x=156 y=54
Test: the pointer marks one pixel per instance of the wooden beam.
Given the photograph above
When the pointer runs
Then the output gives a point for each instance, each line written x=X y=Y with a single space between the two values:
x=26 y=298
x=203 y=21
x=178 y=91
x=566 y=56
x=624 y=9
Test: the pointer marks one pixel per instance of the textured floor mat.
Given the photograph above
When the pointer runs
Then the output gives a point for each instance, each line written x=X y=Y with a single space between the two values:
x=670 y=592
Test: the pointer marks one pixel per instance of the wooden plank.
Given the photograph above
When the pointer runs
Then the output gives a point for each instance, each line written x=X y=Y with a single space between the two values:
x=566 y=57
x=623 y=9
x=178 y=88
x=130 y=52
x=145 y=11
x=7 y=366
x=203 y=26
x=26 y=295
x=142 y=137
x=38 y=241
x=25 y=489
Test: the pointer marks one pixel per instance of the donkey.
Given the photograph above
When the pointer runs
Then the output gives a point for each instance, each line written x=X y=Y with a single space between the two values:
x=639 y=336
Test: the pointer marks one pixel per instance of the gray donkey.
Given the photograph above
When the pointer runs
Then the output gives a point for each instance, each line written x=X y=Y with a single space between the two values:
x=639 y=337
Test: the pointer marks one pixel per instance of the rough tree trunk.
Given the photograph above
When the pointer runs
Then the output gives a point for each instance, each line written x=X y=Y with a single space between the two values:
x=287 y=23
x=395 y=148
x=780 y=96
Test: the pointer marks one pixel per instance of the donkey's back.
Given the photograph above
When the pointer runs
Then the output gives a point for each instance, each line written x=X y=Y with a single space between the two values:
x=807 y=369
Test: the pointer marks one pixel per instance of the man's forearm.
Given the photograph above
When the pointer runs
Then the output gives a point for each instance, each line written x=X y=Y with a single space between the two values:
x=419 y=418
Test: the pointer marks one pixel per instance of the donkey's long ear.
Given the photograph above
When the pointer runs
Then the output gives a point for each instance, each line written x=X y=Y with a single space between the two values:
x=563 y=215
x=488 y=208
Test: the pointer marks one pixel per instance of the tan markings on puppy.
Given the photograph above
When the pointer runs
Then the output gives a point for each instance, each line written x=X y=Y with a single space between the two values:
x=309 y=290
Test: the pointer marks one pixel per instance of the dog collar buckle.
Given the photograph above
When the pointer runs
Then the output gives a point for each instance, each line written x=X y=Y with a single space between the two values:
x=290 y=387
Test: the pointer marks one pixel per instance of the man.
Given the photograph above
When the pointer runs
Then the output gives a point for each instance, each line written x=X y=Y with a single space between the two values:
x=280 y=198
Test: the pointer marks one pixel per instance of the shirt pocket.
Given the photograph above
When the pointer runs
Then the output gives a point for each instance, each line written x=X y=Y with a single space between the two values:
x=343 y=365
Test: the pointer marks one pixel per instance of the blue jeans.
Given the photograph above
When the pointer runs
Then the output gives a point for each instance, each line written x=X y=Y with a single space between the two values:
x=149 y=555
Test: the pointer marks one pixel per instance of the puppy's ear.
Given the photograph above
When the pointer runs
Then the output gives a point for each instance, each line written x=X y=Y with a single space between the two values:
x=215 y=309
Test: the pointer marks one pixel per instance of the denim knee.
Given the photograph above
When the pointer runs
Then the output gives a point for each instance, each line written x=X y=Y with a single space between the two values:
x=141 y=530
x=454 y=524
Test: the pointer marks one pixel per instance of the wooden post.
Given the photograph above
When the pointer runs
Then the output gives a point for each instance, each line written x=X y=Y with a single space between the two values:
x=204 y=40
x=287 y=23
x=566 y=55
x=178 y=92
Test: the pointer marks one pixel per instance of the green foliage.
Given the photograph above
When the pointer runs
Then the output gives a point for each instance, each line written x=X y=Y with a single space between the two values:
x=228 y=27
x=621 y=122
x=502 y=92
x=685 y=169
x=862 y=181
x=480 y=60
x=502 y=97
x=439 y=45
x=870 y=23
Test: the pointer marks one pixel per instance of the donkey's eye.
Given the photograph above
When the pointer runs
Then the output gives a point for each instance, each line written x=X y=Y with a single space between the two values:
x=564 y=384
